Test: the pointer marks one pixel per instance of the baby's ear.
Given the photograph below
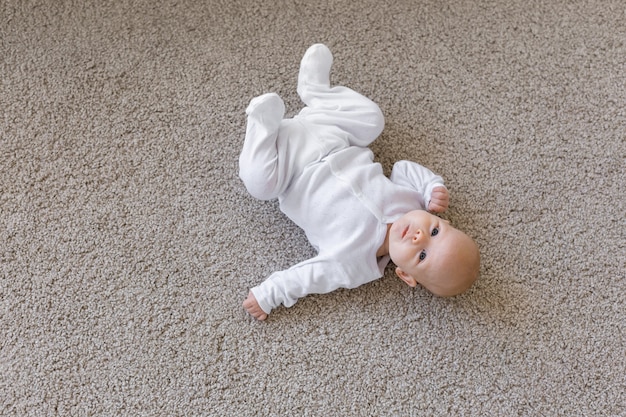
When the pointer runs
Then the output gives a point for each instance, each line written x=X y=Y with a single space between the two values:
x=409 y=280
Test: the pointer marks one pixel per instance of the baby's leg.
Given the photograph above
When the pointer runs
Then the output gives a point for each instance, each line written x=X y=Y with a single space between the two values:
x=275 y=149
x=338 y=106
x=258 y=162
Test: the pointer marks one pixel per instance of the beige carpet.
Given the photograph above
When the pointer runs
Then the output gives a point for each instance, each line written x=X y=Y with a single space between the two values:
x=128 y=241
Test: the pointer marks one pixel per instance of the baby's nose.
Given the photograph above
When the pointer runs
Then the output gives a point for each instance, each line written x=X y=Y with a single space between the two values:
x=418 y=236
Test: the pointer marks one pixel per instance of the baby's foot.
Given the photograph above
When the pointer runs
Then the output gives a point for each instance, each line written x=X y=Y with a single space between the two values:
x=268 y=108
x=315 y=69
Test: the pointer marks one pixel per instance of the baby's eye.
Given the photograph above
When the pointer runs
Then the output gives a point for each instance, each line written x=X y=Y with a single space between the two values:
x=422 y=255
x=435 y=232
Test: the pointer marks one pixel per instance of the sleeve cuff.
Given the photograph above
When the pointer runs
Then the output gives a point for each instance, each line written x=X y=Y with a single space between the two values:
x=258 y=294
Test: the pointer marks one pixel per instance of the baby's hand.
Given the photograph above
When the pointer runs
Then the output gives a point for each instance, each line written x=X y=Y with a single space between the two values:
x=439 y=200
x=252 y=306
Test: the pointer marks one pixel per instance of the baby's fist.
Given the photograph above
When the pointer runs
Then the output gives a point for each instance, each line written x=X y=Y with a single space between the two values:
x=439 y=200
x=252 y=306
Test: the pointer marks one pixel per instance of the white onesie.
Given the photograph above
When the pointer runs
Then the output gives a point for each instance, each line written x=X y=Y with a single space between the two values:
x=319 y=167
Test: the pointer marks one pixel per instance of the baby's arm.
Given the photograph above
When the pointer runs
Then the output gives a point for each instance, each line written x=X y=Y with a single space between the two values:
x=424 y=181
x=315 y=276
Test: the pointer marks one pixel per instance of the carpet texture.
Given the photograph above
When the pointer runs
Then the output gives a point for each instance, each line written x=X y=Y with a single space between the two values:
x=128 y=241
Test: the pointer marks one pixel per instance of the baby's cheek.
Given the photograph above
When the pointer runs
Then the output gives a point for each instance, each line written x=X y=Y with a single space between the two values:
x=399 y=258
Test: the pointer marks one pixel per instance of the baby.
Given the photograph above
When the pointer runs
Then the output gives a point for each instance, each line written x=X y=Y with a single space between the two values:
x=319 y=167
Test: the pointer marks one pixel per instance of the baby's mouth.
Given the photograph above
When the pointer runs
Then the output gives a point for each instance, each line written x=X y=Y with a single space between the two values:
x=405 y=231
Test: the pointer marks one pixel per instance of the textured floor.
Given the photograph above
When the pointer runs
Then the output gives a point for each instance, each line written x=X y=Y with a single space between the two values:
x=127 y=241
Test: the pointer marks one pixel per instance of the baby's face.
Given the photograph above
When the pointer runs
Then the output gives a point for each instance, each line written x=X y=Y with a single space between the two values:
x=429 y=251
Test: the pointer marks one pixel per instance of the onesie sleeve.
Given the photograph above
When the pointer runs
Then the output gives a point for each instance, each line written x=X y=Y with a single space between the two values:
x=315 y=276
x=417 y=177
